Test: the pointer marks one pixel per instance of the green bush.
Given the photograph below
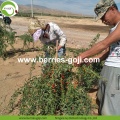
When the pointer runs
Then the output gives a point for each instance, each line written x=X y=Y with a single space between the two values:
x=59 y=90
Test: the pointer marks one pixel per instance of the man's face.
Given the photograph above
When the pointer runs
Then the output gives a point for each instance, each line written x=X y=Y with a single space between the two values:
x=108 y=17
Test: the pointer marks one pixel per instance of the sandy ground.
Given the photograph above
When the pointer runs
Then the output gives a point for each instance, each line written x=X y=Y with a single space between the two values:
x=13 y=75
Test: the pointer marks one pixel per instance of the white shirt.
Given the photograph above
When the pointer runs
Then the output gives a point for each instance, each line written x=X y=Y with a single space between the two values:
x=114 y=55
x=55 y=33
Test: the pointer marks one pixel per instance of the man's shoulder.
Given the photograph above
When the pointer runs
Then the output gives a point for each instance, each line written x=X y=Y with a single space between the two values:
x=52 y=23
x=116 y=27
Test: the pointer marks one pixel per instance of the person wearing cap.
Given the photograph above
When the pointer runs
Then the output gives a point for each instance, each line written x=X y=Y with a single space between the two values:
x=109 y=50
x=48 y=33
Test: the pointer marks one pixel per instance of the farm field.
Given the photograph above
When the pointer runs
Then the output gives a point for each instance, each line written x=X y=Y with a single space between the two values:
x=14 y=75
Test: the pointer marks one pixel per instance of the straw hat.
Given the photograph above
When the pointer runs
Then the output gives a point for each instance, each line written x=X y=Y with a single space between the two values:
x=35 y=24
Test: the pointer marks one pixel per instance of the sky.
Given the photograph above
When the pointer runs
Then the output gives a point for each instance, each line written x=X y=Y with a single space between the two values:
x=85 y=7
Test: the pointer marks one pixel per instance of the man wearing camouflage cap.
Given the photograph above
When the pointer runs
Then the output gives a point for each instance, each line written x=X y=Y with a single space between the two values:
x=108 y=50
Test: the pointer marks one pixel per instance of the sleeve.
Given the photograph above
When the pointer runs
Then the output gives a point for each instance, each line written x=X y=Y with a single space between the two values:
x=60 y=34
x=37 y=35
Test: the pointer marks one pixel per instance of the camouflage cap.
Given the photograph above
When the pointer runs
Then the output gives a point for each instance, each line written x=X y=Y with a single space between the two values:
x=102 y=7
x=35 y=24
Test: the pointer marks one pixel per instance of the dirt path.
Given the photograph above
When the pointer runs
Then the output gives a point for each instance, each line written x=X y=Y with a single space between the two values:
x=13 y=74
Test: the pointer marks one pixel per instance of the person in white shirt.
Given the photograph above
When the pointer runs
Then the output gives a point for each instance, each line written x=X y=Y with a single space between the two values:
x=48 y=33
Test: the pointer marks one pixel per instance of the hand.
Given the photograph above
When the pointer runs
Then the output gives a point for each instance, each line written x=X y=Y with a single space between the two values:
x=78 y=62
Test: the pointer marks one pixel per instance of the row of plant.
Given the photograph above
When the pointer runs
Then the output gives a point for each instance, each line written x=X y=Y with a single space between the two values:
x=61 y=89
x=8 y=40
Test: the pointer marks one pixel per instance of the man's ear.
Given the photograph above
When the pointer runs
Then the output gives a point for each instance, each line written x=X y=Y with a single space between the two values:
x=112 y=8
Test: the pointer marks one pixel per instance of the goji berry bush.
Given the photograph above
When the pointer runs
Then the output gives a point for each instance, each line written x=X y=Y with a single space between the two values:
x=61 y=89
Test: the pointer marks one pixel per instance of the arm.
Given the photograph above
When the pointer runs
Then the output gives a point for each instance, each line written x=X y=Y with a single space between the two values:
x=102 y=56
x=59 y=47
x=102 y=45
x=61 y=35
